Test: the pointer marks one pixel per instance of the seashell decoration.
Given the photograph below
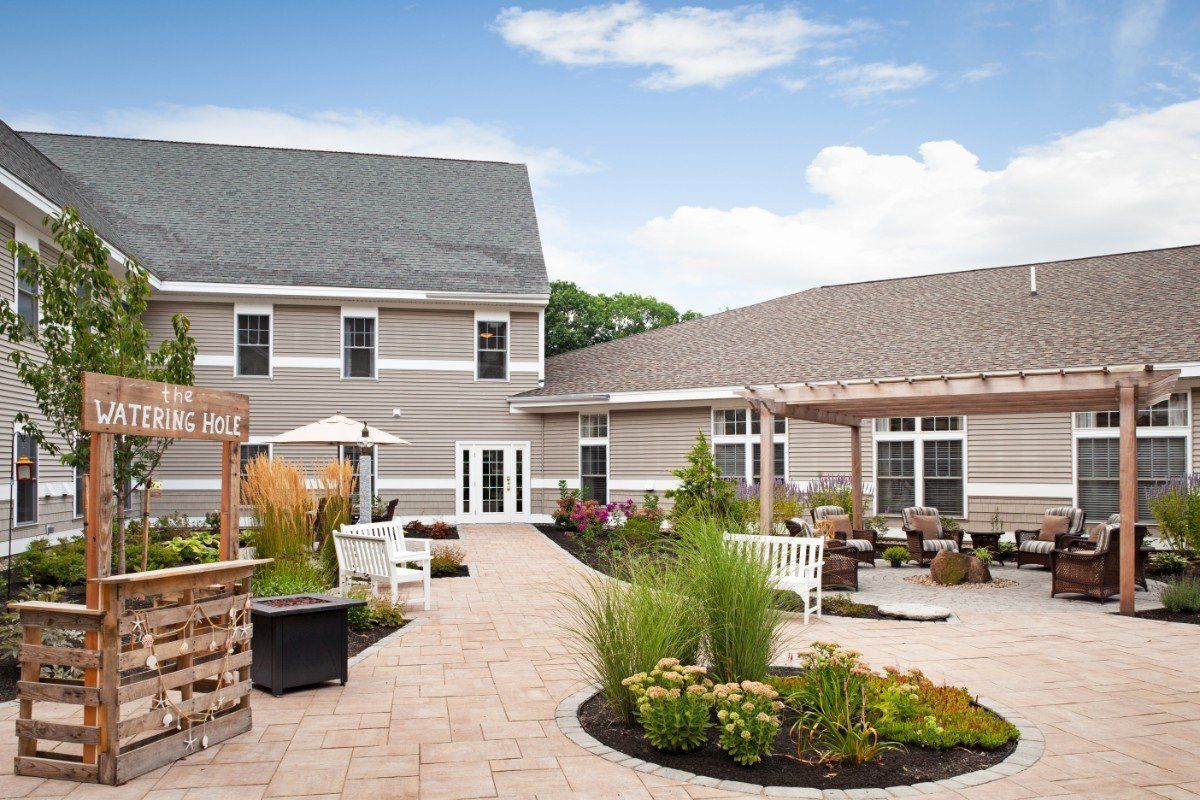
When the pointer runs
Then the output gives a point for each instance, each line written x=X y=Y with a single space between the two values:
x=204 y=742
x=151 y=662
x=147 y=640
x=167 y=719
x=183 y=647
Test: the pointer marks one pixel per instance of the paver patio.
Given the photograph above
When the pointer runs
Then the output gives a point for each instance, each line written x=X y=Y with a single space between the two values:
x=462 y=704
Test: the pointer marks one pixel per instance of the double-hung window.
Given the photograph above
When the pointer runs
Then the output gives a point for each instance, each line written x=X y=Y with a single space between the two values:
x=1163 y=443
x=491 y=350
x=737 y=446
x=248 y=452
x=24 y=447
x=253 y=344
x=358 y=347
x=593 y=457
x=27 y=294
x=920 y=461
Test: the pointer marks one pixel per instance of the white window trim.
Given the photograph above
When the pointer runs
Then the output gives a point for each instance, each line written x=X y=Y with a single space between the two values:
x=476 y=514
x=358 y=312
x=482 y=315
x=257 y=309
x=257 y=441
x=1165 y=431
x=596 y=441
x=750 y=439
x=919 y=438
x=30 y=239
x=37 y=480
x=77 y=500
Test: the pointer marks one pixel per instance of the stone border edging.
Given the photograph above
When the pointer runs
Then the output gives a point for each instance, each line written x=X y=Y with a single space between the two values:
x=1029 y=749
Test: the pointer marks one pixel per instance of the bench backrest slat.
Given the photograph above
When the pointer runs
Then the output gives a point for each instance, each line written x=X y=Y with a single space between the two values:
x=787 y=556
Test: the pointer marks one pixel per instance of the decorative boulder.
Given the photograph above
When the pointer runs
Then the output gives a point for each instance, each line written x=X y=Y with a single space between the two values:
x=977 y=571
x=948 y=569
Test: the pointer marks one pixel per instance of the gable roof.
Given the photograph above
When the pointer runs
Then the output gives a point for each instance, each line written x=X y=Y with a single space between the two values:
x=1128 y=308
x=30 y=166
x=258 y=215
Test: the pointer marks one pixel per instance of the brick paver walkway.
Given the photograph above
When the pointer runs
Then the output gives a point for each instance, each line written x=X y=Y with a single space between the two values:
x=462 y=705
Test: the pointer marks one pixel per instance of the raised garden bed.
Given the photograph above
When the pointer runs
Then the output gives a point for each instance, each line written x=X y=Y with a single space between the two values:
x=462 y=572
x=1163 y=615
x=898 y=768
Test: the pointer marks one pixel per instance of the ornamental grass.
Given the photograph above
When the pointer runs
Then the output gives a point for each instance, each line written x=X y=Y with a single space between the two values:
x=276 y=490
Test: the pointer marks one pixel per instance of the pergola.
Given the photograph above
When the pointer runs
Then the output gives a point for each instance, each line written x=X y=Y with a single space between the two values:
x=851 y=402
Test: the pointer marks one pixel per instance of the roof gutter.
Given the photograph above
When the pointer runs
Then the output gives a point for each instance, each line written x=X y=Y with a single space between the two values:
x=343 y=292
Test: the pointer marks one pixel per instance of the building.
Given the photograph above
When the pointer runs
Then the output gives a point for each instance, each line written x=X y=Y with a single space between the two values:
x=409 y=293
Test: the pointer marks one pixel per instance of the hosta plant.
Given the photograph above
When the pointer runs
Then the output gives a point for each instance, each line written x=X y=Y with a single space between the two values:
x=674 y=704
x=748 y=716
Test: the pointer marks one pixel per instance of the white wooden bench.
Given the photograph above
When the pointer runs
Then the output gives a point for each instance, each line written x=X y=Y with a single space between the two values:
x=795 y=563
x=379 y=551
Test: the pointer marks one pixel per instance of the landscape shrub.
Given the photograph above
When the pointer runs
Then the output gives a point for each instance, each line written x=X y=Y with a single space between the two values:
x=336 y=480
x=832 y=490
x=1168 y=562
x=12 y=632
x=1176 y=507
x=703 y=491
x=47 y=564
x=733 y=591
x=673 y=704
x=201 y=547
x=913 y=710
x=440 y=530
x=300 y=576
x=787 y=501
x=567 y=498
x=417 y=529
x=277 y=491
x=621 y=629
x=843 y=605
x=748 y=719
x=896 y=555
x=445 y=561
x=378 y=611
x=1182 y=596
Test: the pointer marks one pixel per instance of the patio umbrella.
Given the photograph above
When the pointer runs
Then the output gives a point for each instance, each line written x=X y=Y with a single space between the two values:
x=341 y=430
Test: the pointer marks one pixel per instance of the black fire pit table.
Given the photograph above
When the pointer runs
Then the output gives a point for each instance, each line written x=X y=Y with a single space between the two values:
x=299 y=640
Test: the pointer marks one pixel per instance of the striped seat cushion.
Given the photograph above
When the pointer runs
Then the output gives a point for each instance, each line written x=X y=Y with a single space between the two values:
x=1036 y=546
x=860 y=544
x=934 y=545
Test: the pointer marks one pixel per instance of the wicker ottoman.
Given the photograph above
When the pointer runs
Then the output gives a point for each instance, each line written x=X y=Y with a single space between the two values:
x=840 y=570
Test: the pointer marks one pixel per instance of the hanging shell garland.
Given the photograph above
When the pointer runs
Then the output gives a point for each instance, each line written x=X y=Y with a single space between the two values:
x=167 y=718
x=147 y=640
x=151 y=662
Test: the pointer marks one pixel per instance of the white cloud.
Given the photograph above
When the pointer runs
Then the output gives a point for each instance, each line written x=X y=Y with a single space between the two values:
x=685 y=46
x=864 y=81
x=1135 y=30
x=981 y=73
x=1131 y=183
x=355 y=131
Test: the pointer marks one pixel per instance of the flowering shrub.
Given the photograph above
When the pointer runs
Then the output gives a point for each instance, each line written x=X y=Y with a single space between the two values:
x=833 y=490
x=1176 y=507
x=913 y=710
x=674 y=704
x=748 y=715
x=567 y=499
x=787 y=499
x=588 y=517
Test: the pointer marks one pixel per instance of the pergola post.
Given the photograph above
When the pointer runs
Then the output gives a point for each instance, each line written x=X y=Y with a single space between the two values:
x=856 y=481
x=1128 y=491
x=766 y=470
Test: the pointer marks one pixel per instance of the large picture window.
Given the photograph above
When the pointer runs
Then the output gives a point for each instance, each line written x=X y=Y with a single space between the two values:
x=358 y=347
x=491 y=350
x=737 y=446
x=1164 y=437
x=253 y=344
x=27 y=491
x=920 y=461
x=593 y=457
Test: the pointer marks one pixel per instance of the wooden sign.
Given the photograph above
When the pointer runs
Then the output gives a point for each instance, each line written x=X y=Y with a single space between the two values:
x=148 y=408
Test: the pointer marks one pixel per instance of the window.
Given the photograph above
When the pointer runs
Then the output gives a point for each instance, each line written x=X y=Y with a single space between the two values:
x=358 y=347
x=466 y=480
x=249 y=452
x=253 y=344
x=491 y=350
x=737 y=446
x=27 y=295
x=1164 y=437
x=351 y=453
x=27 y=491
x=920 y=461
x=79 y=485
x=593 y=457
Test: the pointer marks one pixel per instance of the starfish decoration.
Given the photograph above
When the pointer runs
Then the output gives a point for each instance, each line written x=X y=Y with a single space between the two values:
x=159 y=702
x=137 y=624
x=190 y=741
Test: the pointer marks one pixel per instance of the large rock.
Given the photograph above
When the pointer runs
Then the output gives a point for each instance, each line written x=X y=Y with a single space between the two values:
x=914 y=611
x=977 y=571
x=948 y=568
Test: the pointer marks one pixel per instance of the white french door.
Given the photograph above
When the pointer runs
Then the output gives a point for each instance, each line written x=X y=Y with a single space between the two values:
x=492 y=481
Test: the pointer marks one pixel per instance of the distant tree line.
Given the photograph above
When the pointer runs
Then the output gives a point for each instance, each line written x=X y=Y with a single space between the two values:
x=577 y=318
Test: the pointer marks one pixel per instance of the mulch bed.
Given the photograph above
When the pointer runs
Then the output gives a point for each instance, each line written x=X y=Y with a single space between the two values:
x=994 y=583
x=10 y=672
x=1163 y=615
x=361 y=640
x=896 y=768
x=462 y=572
x=569 y=541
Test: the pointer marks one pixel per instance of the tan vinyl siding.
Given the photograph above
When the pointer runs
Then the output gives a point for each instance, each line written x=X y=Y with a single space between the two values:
x=648 y=444
x=420 y=334
x=1015 y=512
x=523 y=337
x=211 y=324
x=1019 y=448
x=560 y=447
x=306 y=331
x=817 y=449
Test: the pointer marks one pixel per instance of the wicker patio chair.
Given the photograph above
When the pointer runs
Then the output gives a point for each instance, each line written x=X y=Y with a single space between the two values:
x=1090 y=566
x=920 y=549
x=1031 y=549
x=860 y=543
x=798 y=527
x=1140 y=532
x=841 y=567
x=388 y=513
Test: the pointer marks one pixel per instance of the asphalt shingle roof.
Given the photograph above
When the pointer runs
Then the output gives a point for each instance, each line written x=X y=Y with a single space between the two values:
x=33 y=168
x=231 y=214
x=1129 y=308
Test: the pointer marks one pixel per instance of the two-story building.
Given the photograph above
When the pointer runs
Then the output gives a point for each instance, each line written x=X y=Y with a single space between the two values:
x=409 y=293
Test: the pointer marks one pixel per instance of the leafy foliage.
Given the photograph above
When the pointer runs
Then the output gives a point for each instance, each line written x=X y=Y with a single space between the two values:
x=702 y=491
x=58 y=565
x=1182 y=596
x=914 y=710
x=378 y=611
x=1176 y=508
x=445 y=561
x=1168 y=562
x=91 y=321
x=896 y=555
x=748 y=715
x=576 y=318
x=12 y=631
x=289 y=576
x=674 y=704
x=842 y=605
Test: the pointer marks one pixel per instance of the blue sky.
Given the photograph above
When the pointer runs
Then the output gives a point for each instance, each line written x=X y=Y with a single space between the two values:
x=715 y=154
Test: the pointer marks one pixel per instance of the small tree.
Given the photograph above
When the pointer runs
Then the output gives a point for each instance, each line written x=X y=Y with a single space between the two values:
x=702 y=491
x=90 y=321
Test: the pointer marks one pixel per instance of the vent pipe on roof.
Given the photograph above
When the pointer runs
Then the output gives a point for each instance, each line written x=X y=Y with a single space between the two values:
x=1033 y=281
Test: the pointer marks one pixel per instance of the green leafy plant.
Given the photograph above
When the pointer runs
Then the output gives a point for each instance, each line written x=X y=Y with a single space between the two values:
x=949 y=524
x=1176 y=507
x=748 y=716
x=673 y=704
x=896 y=555
x=984 y=555
x=1182 y=596
x=733 y=591
x=702 y=491
x=623 y=628
x=841 y=605
x=44 y=563
x=92 y=320
x=877 y=523
x=377 y=612
x=440 y=530
x=914 y=710
x=567 y=498
x=1006 y=549
x=289 y=577
x=445 y=561
x=202 y=547
x=1168 y=562
x=12 y=632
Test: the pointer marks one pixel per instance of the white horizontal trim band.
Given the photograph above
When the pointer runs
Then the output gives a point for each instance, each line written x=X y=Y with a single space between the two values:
x=308 y=362
x=552 y=483
x=426 y=364
x=191 y=484
x=525 y=366
x=647 y=485
x=214 y=484
x=416 y=483
x=278 y=290
x=58 y=489
x=1046 y=490
x=213 y=360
